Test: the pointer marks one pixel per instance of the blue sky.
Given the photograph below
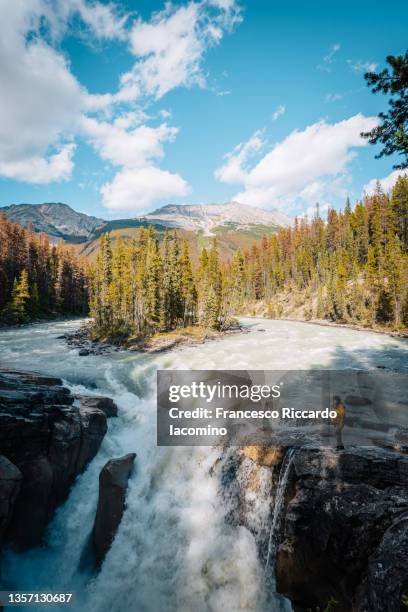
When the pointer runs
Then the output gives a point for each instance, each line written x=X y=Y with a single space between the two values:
x=118 y=108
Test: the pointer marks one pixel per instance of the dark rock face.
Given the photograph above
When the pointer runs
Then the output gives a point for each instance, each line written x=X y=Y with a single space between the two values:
x=93 y=429
x=10 y=483
x=387 y=568
x=34 y=505
x=106 y=404
x=345 y=530
x=45 y=441
x=113 y=481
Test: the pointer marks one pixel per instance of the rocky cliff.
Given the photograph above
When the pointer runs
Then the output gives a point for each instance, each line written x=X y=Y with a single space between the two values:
x=47 y=437
x=345 y=530
x=209 y=217
x=56 y=219
x=338 y=529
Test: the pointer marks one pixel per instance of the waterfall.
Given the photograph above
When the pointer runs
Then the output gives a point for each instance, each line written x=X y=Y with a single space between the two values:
x=174 y=550
x=278 y=507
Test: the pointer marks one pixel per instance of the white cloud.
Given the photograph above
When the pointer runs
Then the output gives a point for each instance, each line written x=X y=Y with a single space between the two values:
x=387 y=182
x=139 y=182
x=40 y=100
x=306 y=165
x=102 y=19
x=169 y=50
x=132 y=148
x=310 y=211
x=170 y=47
x=234 y=169
x=329 y=58
x=361 y=66
x=279 y=111
x=56 y=167
x=135 y=189
x=333 y=97
x=44 y=108
x=225 y=5
x=130 y=119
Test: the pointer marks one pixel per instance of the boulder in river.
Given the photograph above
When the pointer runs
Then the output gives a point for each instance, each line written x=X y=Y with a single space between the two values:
x=113 y=481
x=45 y=441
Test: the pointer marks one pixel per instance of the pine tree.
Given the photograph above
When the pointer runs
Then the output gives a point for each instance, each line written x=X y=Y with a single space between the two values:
x=188 y=290
x=397 y=278
x=152 y=286
x=399 y=204
x=20 y=298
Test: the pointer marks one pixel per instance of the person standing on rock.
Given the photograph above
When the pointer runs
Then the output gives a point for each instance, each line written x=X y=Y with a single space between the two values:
x=339 y=420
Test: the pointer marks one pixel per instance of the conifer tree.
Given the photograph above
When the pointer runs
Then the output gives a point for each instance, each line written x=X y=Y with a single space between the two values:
x=20 y=298
x=152 y=285
x=188 y=290
x=396 y=276
x=399 y=204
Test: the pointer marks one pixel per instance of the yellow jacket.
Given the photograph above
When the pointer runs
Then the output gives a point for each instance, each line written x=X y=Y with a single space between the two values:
x=340 y=417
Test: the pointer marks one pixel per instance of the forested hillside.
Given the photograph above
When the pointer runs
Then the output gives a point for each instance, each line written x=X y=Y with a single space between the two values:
x=354 y=268
x=37 y=279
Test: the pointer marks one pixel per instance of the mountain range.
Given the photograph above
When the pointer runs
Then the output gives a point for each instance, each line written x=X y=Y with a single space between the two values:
x=208 y=218
x=55 y=219
x=234 y=224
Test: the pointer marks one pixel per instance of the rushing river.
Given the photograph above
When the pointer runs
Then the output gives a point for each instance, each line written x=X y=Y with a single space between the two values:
x=174 y=551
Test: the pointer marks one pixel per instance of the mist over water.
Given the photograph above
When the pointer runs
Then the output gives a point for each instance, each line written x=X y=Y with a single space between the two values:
x=174 y=551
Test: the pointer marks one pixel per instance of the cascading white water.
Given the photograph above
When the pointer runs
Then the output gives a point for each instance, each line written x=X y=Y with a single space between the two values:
x=174 y=550
x=277 y=509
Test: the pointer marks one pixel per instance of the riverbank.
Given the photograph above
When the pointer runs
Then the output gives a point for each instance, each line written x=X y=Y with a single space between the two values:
x=157 y=343
x=376 y=329
x=303 y=307
x=323 y=323
x=41 y=321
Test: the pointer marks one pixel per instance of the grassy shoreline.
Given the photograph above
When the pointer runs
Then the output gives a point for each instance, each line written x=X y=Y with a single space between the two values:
x=156 y=343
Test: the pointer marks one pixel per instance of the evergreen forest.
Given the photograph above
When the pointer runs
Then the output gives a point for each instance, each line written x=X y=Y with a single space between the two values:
x=352 y=268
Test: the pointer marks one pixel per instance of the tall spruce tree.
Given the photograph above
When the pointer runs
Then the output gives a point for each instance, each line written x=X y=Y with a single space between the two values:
x=20 y=298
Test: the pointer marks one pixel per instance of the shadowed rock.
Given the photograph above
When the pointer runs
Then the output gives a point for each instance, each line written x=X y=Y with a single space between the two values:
x=344 y=533
x=48 y=441
x=113 y=481
x=106 y=404
x=387 y=574
x=10 y=483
